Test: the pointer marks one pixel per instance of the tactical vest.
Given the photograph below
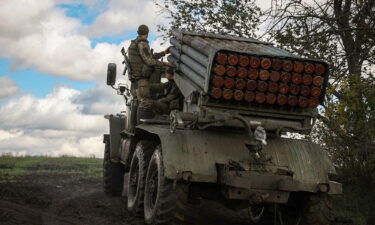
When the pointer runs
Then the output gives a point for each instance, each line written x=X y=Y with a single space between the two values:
x=136 y=61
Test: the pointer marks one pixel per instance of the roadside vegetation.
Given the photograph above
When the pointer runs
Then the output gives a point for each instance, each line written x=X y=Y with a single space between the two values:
x=12 y=166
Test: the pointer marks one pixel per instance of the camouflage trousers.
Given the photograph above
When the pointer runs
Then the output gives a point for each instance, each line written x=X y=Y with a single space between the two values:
x=143 y=94
x=161 y=108
x=146 y=102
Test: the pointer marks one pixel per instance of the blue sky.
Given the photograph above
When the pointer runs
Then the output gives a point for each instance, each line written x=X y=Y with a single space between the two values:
x=39 y=84
x=81 y=11
x=87 y=16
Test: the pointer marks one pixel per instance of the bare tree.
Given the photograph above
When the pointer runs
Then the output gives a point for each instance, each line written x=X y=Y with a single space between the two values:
x=339 y=31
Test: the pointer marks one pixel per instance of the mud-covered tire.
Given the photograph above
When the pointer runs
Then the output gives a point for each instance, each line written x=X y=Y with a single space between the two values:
x=259 y=215
x=113 y=174
x=164 y=202
x=137 y=175
x=318 y=210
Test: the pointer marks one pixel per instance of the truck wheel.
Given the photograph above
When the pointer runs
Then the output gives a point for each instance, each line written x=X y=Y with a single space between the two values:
x=137 y=175
x=318 y=210
x=164 y=202
x=113 y=174
x=256 y=213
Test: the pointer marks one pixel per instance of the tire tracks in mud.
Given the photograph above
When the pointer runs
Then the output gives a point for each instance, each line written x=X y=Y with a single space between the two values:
x=85 y=206
x=65 y=200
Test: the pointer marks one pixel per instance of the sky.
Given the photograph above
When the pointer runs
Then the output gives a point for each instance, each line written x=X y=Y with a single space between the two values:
x=53 y=59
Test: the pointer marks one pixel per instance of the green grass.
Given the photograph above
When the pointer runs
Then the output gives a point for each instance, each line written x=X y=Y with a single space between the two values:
x=80 y=167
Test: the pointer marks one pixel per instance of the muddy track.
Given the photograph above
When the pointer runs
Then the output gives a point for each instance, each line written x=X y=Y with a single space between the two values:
x=66 y=200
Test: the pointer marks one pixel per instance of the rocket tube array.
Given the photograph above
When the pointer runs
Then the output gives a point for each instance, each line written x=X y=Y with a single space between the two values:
x=188 y=60
x=266 y=80
x=247 y=78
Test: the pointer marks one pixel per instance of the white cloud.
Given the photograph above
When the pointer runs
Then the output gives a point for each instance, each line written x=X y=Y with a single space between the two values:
x=159 y=44
x=55 y=111
x=8 y=87
x=263 y=5
x=125 y=15
x=29 y=143
x=66 y=121
x=6 y=135
x=100 y=100
x=42 y=37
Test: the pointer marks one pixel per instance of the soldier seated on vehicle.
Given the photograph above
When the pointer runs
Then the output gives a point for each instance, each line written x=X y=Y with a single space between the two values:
x=171 y=95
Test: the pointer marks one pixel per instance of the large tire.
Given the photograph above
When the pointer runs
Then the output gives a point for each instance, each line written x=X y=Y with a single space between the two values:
x=259 y=215
x=113 y=174
x=164 y=202
x=137 y=175
x=318 y=210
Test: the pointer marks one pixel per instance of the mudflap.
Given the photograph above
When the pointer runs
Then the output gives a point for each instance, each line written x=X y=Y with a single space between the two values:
x=193 y=154
x=116 y=125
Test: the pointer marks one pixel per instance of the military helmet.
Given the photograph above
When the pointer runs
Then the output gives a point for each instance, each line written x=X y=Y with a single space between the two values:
x=142 y=29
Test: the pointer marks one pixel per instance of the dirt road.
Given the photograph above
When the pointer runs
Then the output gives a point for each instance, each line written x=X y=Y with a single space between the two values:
x=42 y=199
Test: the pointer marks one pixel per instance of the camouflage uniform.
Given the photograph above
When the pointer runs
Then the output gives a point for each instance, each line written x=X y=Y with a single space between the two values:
x=143 y=63
x=170 y=101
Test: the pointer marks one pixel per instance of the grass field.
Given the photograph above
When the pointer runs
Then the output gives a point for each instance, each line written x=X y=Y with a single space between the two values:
x=80 y=167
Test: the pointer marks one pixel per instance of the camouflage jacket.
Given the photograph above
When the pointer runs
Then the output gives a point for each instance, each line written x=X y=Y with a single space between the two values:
x=141 y=58
x=148 y=57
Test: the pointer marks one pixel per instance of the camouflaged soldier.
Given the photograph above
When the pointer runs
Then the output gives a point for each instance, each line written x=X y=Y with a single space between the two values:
x=143 y=63
x=172 y=95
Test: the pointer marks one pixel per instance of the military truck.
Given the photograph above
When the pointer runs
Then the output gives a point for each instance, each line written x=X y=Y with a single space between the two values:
x=231 y=141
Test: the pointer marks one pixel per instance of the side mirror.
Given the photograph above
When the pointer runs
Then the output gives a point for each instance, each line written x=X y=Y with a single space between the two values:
x=111 y=74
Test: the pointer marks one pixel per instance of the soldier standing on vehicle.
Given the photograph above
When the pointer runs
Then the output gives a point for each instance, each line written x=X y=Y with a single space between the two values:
x=171 y=94
x=143 y=63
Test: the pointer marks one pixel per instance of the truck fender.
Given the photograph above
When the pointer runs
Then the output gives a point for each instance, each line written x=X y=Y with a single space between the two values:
x=197 y=154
